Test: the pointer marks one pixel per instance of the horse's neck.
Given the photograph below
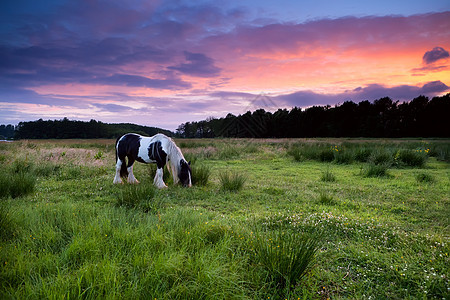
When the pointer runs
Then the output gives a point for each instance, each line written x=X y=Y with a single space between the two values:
x=175 y=153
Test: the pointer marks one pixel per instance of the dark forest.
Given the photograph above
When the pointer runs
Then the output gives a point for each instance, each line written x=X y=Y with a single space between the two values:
x=68 y=129
x=420 y=117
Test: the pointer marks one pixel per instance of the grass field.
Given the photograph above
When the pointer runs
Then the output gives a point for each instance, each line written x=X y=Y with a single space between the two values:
x=268 y=219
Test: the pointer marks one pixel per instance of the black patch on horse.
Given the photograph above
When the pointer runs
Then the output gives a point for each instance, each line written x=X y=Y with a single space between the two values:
x=156 y=153
x=127 y=146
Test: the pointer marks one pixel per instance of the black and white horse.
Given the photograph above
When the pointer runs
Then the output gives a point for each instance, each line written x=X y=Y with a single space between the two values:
x=158 y=149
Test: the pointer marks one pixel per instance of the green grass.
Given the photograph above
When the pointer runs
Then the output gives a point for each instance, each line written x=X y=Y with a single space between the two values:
x=328 y=176
x=425 y=177
x=286 y=255
x=200 y=174
x=137 y=196
x=76 y=235
x=376 y=170
x=232 y=181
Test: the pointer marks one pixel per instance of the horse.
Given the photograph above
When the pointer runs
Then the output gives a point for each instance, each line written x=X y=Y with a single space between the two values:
x=159 y=149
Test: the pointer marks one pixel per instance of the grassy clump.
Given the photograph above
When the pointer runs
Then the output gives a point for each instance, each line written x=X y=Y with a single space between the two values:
x=362 y=154
x=326 y=199
x=232 y=182
x=229 y=151
x=7 y=224
x=379 y=163
x=21 y=184
x=136 y=196
x=286 y=255
x=326 y=155
x=381 y=157
x=47 y=169
x=424 y=178
x=376 y=170
x=328 y=176
x=200 y=175
x=296 y=153
x=22 y=166
x=344 y=156
x=18 y=180
x=411 y=158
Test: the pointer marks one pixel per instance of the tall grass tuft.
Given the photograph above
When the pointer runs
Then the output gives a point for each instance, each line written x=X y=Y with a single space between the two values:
x=22 y=184
x=424 y=178
x=232 y=181
x=18 y=180
x=296 y=153
x=411 y=158
x=326 y=155
x=326 y=199
x=362 y=154
x=328 y=176
x=286 y=255
x=344 y=156
x=228 y=152
x=22 y=166
x=200 y=175
x=7 y=224
x=47 y=169
x=136 y=196
x=4 y=184
x=375 y=170
x=381 y=157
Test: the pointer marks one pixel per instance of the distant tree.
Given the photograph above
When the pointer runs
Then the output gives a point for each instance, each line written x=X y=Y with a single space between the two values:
x=7 y=131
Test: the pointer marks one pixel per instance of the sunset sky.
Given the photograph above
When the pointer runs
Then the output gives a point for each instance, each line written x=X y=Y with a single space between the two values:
x=163 y=63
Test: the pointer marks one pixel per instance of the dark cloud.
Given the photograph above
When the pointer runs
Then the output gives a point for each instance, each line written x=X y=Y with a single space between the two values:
x=232 y=95
x=370 y=92
x=19 y=95
x=434 y=55
x=434 y=87
x=140 y=81
x=198 y=65
x=113 y=107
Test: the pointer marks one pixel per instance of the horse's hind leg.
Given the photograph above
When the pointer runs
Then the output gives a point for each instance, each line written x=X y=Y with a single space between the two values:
x=158 y=181
x=131 y=178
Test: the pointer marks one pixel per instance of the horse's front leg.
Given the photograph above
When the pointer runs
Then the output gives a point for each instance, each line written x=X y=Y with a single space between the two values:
x=131 y=178
x=158 y=181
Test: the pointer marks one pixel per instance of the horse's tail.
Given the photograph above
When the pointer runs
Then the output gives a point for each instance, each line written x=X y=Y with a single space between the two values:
x=123 y=170
x=123 y=167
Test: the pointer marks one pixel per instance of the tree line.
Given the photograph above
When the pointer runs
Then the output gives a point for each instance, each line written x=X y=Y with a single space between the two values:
x=420 y=117
x=6 y=131
x=68 y=129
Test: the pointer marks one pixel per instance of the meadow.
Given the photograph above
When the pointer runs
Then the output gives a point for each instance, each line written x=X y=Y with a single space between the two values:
x=265 y=219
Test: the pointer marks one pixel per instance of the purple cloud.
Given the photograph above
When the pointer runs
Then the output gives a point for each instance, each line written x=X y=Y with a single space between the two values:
x=434 y=55
x=113 y=107
x=198 y=65
x=140 y=81
x=370 y=92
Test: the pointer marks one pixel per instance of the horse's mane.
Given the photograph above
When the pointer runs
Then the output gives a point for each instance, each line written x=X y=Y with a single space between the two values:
x=174 y=156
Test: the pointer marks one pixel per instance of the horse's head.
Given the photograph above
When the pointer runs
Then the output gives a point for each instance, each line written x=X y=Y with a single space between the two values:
x=185 y=174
